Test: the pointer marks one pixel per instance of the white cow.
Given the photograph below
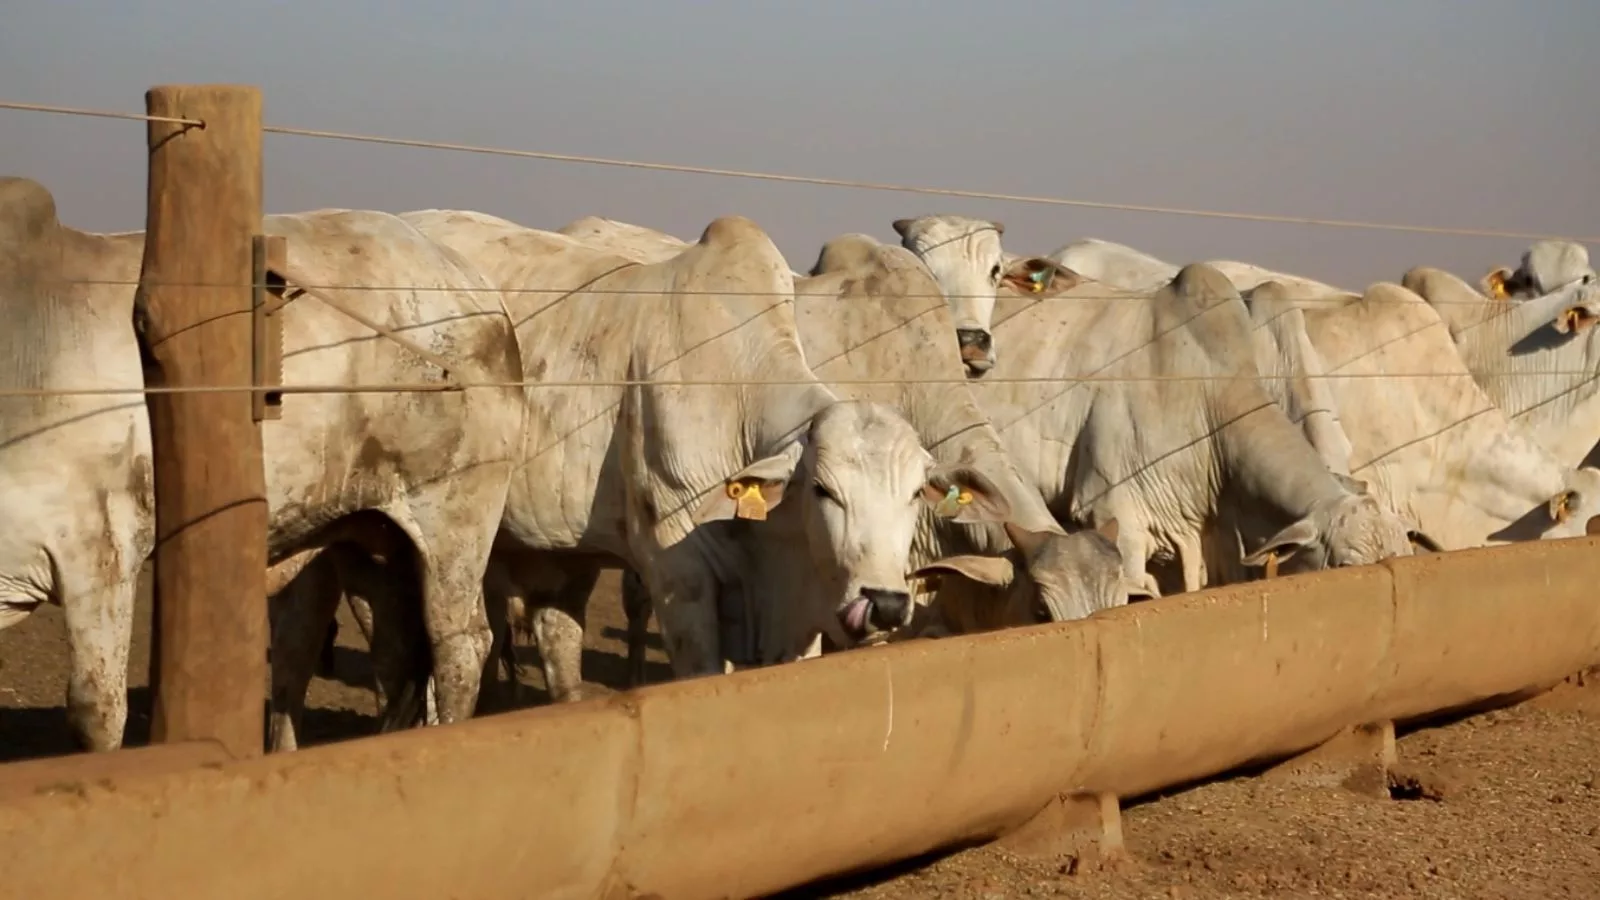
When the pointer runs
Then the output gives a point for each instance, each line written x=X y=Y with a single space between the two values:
x=1546 y=267
x=649 y=474
x=1436 y=449
x=871 y=311
x=967 y=261
x=1171 y=432
x=1124 y=267
x=1538 y=359
x=636 y=242
x=433 y=465
x=1115 y=264
x=1289 y=367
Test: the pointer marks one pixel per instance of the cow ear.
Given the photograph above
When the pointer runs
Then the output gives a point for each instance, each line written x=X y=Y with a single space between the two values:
x=1028 y=542
x=753 y=491
x=1576 y=319
x=1039 y=276
x=1108 y=530
x=1286 y=543
x=1494 y=284
x=991 y=571
x=1353 y=485
x=1562 y=505
x=963 y=494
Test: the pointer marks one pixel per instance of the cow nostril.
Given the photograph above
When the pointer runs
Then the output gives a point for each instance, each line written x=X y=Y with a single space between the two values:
x=974 y=337
x=889 y=609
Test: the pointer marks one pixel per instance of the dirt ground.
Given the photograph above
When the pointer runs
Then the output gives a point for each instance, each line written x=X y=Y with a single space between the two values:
x=1500 y=805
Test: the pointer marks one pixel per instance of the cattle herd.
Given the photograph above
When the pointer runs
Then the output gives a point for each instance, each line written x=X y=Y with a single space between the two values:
x=908 y=440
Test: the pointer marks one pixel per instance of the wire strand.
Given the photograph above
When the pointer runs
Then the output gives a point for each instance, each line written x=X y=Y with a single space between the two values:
x=452 y=387
x=97 y=113
x=827 y=182
x=911 y=189
x=1146 y=296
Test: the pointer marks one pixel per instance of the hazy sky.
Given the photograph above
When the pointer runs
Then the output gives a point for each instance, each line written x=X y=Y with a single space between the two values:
x=1471 y=113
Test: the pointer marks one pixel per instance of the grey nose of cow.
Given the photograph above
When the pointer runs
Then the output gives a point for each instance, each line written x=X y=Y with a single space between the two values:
x=974 y=337
x=889 y=609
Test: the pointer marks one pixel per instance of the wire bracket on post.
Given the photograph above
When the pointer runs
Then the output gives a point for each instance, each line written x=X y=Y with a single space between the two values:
x=269 y=255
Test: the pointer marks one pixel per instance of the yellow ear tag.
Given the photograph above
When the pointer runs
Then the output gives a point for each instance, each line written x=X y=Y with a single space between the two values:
x=1272 y=565
x=751 y=504
x=1037 y=280
x=1560 y=508
x=954 y=498
x=1497 y=286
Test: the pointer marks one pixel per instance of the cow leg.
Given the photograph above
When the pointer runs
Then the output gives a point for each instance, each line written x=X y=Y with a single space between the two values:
x=330 y=649
x=300 y=612
x=499 y=606
x=387 y=606
x=505 y=599
x=99 y=621
x=397 y=648
x=636 y=606
x=453 y=555
x=458 y=629
x=1192 y=557
x=1134 y=542
x=558 y=629
x=361 y=612
x=551 y=595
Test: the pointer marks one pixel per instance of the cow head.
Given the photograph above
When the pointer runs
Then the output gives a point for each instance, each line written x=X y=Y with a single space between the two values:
x=856 y=484
x=965 y=257
x=1047 y=576
x=1546 y=267
x=1582 y=308
x=1349 y=529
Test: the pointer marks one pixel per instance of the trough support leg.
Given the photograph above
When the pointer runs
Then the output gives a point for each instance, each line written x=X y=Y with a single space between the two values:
x=1087 y=828
x=1358 y=758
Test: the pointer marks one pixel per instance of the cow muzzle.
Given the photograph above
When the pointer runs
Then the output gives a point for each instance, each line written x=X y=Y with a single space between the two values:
x=977 y=350
x=875 y=609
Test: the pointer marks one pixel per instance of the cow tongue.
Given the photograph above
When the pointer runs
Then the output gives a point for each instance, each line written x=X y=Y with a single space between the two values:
x=855 y=615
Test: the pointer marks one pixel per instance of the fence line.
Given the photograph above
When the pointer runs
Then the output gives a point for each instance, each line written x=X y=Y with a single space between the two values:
x=97 y=113
x=912 y=189
x=848 y=183
x=446 y=387
x=1340 y=298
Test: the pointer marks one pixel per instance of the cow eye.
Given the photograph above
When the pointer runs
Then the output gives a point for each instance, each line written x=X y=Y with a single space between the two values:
x=994 y=273
x=822 y=491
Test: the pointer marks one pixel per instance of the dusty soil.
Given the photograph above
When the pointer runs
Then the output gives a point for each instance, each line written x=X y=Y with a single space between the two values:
x=1501 y=805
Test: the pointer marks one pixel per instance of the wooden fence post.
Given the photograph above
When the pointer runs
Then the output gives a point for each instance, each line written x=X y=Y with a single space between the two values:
x=208 y=666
